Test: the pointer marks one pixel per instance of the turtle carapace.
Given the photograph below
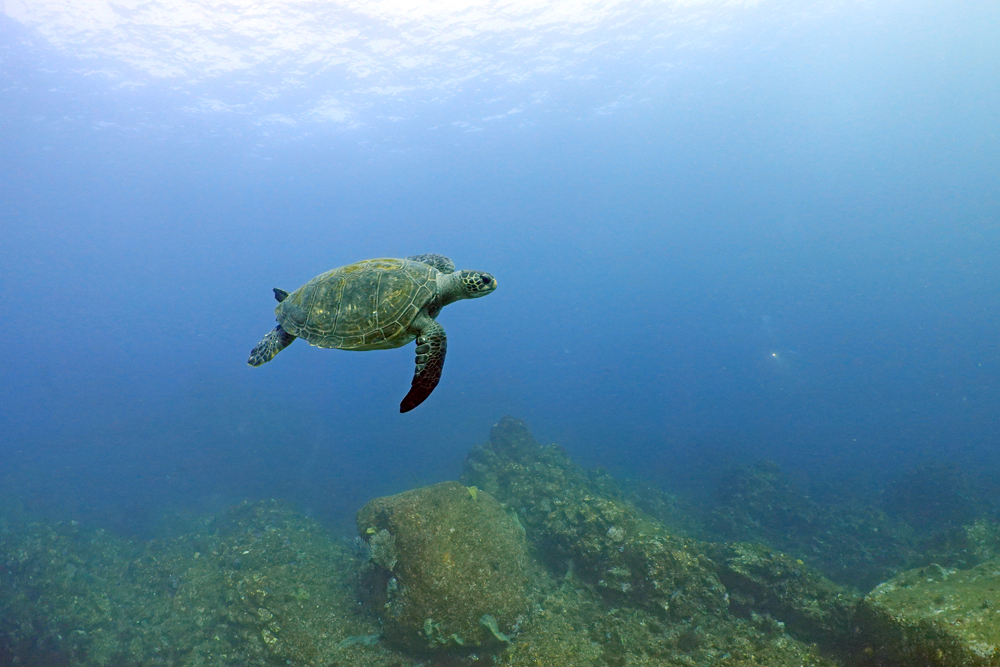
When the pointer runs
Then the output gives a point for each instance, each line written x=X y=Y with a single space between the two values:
x=377 y=304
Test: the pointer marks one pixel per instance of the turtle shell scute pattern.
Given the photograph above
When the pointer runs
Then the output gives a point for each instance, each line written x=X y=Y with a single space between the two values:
x=368 y=305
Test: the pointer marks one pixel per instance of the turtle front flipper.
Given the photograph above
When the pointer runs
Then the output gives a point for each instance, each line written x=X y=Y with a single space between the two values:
x=432 y=344
x=276 y=340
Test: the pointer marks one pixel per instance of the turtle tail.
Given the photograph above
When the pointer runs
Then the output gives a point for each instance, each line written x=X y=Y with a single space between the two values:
x=276 y=340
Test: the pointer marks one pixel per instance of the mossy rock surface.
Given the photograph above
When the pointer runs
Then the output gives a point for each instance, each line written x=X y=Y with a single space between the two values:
x=259 y=586
x=935 y=616
x=446 y=560
x=763 y=581
x=576 y=522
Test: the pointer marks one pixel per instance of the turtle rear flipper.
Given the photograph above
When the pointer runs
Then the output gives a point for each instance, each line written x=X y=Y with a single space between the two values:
x=276 y=340
x=432 y=344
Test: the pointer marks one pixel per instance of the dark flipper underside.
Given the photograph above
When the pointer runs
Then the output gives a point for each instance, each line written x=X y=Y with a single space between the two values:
x=274 y=342
x=432 y=345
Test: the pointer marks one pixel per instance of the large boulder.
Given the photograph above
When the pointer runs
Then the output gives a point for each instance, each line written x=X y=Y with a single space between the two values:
x=933 y=616
x=448 y=568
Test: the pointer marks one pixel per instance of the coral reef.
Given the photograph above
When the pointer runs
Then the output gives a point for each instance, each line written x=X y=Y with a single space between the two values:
x=765 y=582
x=613 y=546
x=259 y=586
x=659 y=598
x=530 y=562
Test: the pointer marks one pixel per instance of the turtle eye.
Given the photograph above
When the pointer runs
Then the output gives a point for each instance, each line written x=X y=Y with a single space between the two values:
x=487 y=280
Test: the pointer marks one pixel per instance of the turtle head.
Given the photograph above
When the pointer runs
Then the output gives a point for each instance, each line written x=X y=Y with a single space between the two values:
x=476 y=284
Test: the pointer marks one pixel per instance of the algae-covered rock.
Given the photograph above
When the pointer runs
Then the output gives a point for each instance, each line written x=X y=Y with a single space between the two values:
x=934 y=616
x=63 y=592
x=762 y=581
x=963 y=547
x=629 y=557
x=659 y=599
x=449 y=568
x=259 y=586
x=573 y=627
x=851 y=543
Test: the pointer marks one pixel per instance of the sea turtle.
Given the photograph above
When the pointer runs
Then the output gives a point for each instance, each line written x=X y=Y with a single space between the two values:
x=377 y=304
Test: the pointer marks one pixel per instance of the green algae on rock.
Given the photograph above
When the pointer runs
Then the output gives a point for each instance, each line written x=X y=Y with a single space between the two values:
x=633 y=593
x=934 y=616
x=457 y=557
x=259 y=586
x=763 y=581
x=263 y=586
x=629 y=557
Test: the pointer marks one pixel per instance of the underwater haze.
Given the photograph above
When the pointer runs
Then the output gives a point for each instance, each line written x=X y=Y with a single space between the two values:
x=722 y=231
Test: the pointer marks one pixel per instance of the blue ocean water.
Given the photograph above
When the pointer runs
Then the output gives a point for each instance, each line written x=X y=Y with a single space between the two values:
x=722 y=231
